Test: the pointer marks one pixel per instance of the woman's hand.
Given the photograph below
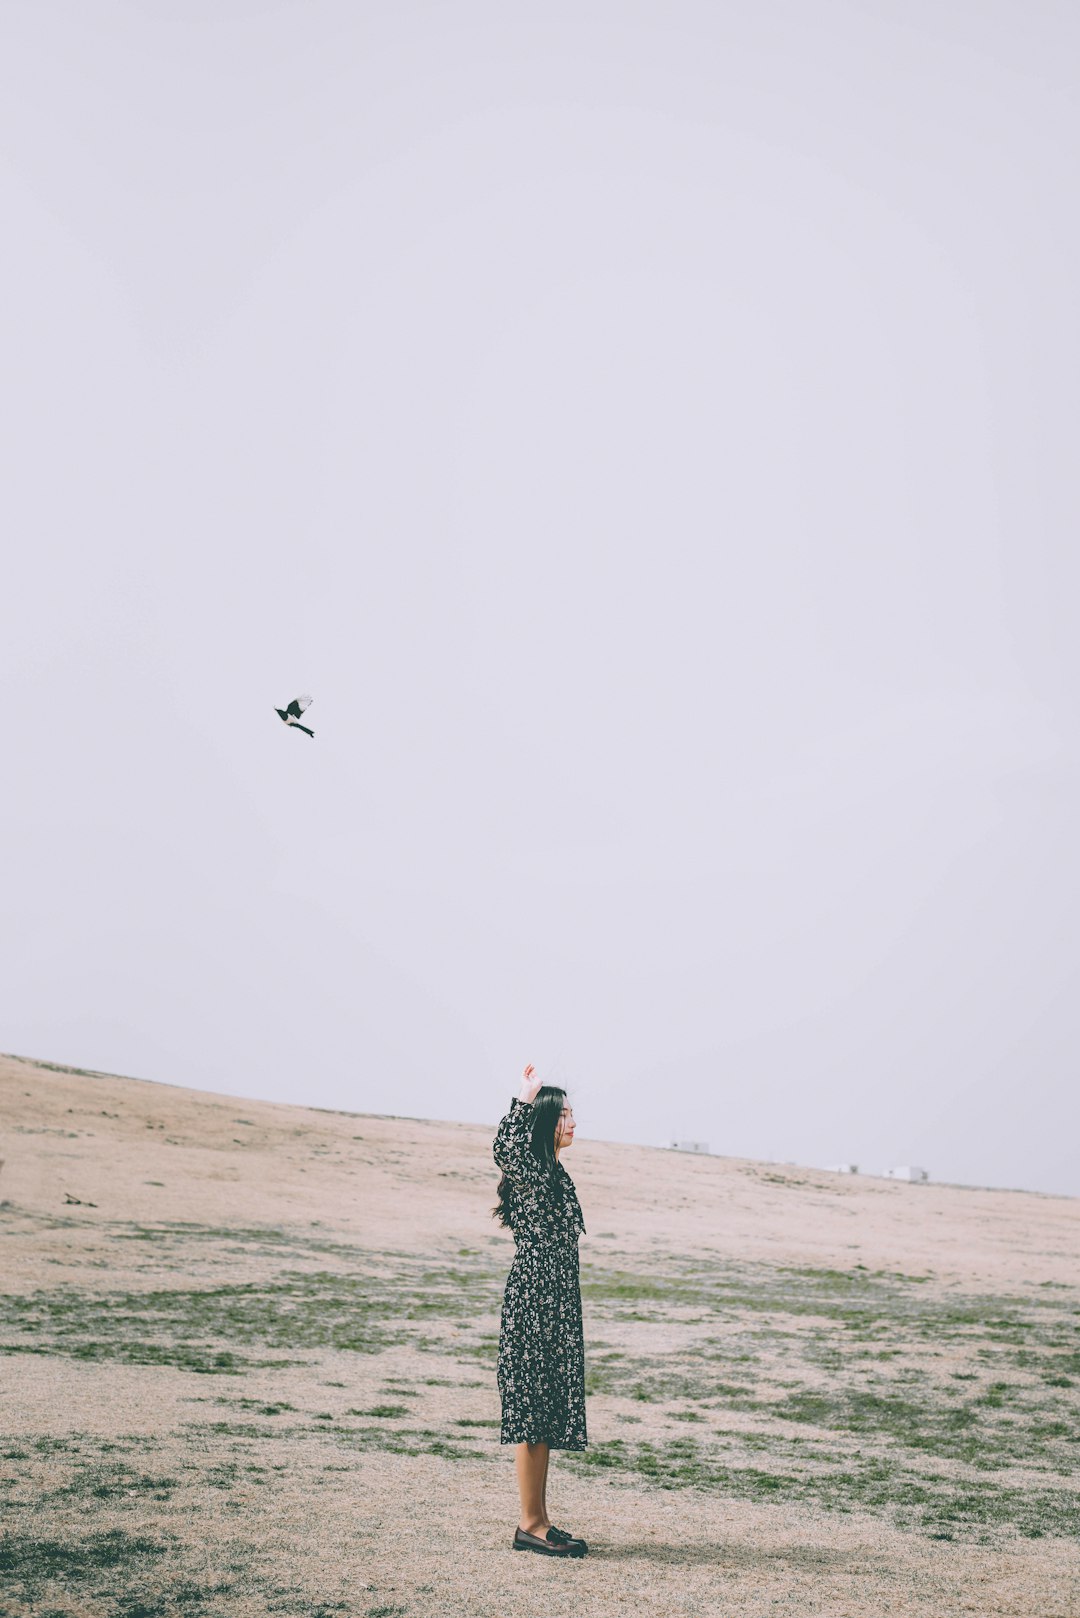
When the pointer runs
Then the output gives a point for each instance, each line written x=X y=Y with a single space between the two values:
x=530 y=1085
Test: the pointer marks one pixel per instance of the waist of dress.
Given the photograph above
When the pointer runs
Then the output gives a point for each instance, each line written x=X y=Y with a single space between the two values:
x=539 y=1247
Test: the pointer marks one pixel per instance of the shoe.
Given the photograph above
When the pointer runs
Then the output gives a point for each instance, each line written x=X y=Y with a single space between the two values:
x=548 y=1546
x=560 y=1536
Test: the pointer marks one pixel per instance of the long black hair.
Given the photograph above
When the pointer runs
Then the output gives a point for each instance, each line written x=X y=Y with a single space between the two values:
x=547 y=1108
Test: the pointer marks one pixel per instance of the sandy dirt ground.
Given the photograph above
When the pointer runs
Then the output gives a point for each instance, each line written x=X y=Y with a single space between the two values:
x=247 y=1366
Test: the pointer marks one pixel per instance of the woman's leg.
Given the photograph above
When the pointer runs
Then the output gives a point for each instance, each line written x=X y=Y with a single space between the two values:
x=543 y=1485
x=530 y=1462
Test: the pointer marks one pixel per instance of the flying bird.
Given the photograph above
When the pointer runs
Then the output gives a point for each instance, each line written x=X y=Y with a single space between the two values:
x=291 y=714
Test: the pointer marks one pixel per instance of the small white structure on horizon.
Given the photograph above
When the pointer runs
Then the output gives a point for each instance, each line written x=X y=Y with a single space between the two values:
x=841 y=1168
x=685 y=1145
x=909 y=1172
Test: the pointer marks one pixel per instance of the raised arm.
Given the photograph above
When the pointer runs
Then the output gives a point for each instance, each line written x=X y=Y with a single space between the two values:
x=512 y=1147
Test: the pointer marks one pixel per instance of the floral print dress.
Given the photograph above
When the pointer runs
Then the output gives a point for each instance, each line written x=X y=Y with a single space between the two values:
x=541 y=1366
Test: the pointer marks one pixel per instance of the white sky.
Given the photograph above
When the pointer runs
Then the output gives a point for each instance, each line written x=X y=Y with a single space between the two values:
x=649 y=432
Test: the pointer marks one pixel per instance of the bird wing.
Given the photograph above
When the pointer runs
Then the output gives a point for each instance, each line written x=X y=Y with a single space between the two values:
x=297 y=706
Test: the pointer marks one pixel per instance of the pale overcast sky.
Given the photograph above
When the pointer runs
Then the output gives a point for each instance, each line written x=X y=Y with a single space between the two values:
x=648 y=430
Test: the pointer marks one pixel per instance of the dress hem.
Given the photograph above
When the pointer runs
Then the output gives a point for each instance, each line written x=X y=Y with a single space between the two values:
x=548 y=1441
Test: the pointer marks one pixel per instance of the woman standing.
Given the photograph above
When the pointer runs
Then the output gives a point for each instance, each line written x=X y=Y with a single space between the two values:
x=541 y=1369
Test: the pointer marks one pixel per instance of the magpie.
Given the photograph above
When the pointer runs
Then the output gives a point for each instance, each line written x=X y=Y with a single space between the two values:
x=291 y=714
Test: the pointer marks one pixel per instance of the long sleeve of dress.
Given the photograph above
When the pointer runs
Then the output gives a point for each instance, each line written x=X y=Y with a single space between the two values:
x=512 y=1147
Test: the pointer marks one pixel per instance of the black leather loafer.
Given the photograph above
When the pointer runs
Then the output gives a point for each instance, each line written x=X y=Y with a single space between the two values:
x=548 y=1546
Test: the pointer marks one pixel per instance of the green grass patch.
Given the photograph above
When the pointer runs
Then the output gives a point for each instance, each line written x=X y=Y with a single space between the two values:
x=207 y=1329
x=31 y=1560
x=914 y=1499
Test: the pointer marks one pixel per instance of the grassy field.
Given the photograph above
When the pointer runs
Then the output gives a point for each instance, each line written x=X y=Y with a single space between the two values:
x=199 y=1392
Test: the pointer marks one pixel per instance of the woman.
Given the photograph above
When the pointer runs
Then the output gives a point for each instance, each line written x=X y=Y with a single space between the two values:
x=541 y=1369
